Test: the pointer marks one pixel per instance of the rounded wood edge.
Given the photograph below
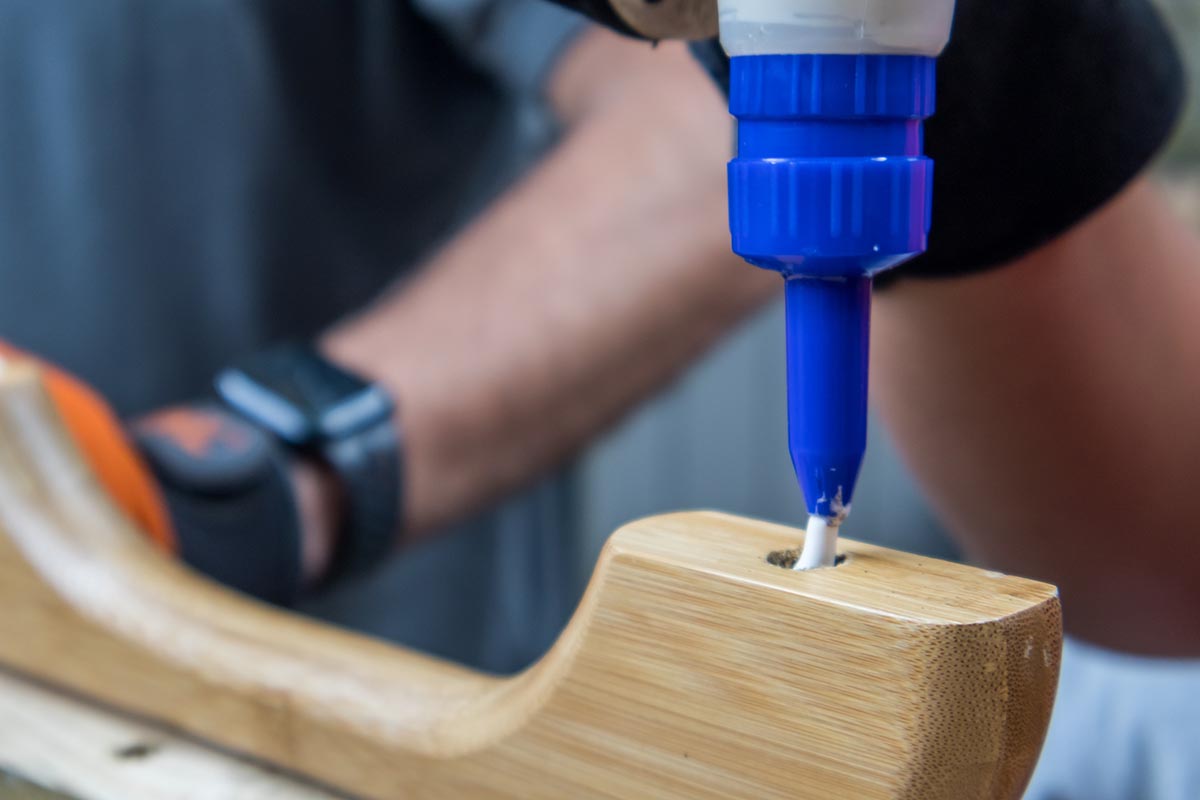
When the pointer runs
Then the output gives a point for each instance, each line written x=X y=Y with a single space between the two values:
x=90 y=558
x=986 y=689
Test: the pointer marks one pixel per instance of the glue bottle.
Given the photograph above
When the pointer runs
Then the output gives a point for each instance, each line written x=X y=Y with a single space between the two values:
x=830 y=187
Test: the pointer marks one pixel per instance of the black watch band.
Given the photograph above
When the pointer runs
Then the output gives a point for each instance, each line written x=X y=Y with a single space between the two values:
x=322 y=411
x=369 y=468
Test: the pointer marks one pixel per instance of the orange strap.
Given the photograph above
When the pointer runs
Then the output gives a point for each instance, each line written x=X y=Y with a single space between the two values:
x=102 y=441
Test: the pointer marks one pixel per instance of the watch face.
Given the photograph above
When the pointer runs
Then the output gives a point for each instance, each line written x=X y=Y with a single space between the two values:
x=301 y=397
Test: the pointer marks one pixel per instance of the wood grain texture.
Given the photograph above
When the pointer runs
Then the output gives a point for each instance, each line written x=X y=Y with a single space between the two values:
x=83 y=752
x=692 y=668
x=13 y=787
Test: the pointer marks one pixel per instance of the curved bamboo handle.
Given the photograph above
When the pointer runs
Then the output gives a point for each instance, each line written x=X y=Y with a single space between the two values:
x=692 y=668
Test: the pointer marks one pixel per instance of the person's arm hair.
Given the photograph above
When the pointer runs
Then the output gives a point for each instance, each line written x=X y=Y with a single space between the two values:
x=580 y=292
x=1051 y=412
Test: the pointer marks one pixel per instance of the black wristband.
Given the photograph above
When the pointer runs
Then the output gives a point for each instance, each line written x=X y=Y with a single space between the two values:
x=369 y=531
x=712 y=57
x=229 y=496
x=322 y=411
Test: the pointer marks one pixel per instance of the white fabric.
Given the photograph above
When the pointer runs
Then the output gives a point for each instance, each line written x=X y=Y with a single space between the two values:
x=1124 y=728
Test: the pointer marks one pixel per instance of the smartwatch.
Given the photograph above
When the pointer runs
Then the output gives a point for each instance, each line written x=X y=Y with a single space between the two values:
x=322 y=411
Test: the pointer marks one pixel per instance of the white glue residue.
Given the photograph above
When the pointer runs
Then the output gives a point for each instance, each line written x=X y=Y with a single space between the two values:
x=820 y=544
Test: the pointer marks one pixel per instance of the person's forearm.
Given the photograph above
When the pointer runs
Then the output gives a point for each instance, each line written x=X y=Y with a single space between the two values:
x=579 y=293
x=1051 y=411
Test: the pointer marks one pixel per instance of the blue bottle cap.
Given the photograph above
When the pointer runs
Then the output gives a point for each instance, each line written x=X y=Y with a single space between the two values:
x=830 y=177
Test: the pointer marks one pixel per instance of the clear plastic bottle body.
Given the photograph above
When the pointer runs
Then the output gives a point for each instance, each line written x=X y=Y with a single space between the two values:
x=846 y=27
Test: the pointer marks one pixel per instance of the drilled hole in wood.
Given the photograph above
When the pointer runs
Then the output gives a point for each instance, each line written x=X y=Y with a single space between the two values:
x=136 y=750
x=787 y=558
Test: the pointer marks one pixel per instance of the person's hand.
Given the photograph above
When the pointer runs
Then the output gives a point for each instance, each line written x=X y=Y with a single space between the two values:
x=200 y=482
x=237 y=502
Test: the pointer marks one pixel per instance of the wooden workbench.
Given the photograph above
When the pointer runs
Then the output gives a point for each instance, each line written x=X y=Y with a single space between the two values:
x=57 y=747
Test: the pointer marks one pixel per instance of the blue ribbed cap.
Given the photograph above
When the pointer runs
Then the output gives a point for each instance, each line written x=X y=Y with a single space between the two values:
x=830 y=178
x=829 y=187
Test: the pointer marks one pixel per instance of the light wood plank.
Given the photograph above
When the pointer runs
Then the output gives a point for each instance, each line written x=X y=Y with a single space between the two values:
x=693 y=668
x=89 y=753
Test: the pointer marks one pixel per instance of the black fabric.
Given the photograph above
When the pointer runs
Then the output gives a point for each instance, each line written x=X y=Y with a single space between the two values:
x=242 y=530
x=369 y=466
x=712 y=57
x=1046 y=110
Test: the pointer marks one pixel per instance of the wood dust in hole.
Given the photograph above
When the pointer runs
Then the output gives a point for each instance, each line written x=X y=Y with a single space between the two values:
x=787 y=559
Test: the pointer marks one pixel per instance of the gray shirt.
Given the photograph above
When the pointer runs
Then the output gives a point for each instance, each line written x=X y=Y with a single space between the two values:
x=183 y=181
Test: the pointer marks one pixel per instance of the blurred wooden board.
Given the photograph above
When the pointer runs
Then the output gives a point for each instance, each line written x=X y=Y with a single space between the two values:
x=57 y=747
x=13 y=787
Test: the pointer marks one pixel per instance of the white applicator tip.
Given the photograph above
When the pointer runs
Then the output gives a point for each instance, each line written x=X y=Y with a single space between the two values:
x=820 y=544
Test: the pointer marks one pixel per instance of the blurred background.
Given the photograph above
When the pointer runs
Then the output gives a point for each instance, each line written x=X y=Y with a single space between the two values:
x=493 y=595
x=688 y=448
x=715 y=439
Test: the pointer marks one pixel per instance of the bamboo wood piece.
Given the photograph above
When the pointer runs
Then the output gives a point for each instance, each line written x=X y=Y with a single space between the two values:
x=692 y=668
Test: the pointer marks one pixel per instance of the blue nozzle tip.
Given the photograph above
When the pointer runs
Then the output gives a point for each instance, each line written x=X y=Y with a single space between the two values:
x=828 y=488
x=828 y=342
